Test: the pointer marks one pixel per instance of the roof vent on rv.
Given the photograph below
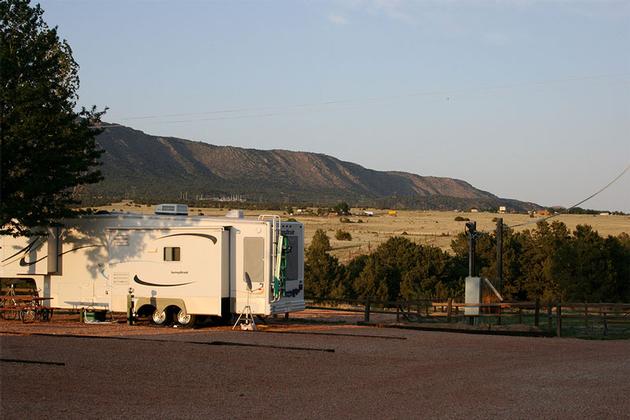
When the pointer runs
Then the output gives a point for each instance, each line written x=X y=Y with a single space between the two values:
x=172 y=209
x=235 y=214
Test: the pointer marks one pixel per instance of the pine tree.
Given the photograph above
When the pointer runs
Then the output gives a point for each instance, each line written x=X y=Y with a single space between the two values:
x=47 y=148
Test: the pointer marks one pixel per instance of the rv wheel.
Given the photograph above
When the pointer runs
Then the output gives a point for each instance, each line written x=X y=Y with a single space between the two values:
x=159 y=317
x=184 y=319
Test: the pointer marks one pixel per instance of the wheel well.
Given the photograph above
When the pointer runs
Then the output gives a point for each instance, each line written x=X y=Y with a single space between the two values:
x=172 y=310
x=145 y=310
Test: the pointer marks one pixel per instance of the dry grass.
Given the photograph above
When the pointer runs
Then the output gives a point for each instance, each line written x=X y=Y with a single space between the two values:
x=436 y=228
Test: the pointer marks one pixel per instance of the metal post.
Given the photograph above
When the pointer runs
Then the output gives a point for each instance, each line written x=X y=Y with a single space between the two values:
x=366 y=317
x=472 y=232
x=130 y=307
x=499 y=235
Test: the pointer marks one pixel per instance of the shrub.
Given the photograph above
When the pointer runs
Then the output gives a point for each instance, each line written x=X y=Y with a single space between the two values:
x=461 y=219
x=342 y=235
x=345 y=220
x=342 y=209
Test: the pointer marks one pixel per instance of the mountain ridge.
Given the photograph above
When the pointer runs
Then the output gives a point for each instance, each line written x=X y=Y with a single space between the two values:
x=161 y=168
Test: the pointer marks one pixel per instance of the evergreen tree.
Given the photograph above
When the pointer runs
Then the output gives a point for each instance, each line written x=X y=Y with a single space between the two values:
x=47 y=148
x=322 y=271
x=342 y=209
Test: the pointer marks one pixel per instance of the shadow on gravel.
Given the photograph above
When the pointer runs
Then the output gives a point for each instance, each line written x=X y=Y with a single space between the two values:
x=205 y=343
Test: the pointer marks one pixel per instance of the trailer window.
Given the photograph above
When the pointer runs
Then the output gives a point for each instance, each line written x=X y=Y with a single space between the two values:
x=292 y=257
x=172 y=253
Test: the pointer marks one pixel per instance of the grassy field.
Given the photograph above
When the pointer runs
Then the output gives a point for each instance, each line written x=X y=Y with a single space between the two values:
x=425 y=227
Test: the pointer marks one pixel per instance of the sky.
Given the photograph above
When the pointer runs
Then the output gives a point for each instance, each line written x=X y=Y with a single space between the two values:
x=526 y=99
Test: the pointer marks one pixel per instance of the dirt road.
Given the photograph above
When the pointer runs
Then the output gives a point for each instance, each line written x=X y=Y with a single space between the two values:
x=313 y=372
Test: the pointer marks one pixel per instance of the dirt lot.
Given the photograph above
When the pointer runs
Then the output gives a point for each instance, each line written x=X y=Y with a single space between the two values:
x=426 y=227
x=305 y=371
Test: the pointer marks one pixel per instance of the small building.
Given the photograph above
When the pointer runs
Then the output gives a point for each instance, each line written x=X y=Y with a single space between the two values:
x=502 y=209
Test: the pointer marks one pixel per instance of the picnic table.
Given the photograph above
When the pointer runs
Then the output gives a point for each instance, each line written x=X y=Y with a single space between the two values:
x=27 y=308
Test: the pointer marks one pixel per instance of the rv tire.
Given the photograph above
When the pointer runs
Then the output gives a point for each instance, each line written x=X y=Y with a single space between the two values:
x=159 y=317
x=185 y=320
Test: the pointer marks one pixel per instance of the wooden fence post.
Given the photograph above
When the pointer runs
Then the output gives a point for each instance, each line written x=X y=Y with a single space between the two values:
x=449 y=310
x=605 y=325
x=586 y=317
x=536 y=312
x=366 y=317
x=559 y=320
x=549 y=318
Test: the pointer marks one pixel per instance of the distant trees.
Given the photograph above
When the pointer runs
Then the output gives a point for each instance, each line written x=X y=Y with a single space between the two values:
x=398 y=268
x=401 y=269
x=552 y=263
x=342 y=209
x=47 y=148
x=548 y=263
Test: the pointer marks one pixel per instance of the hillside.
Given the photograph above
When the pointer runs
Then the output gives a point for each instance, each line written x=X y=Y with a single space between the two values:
x=141 y=166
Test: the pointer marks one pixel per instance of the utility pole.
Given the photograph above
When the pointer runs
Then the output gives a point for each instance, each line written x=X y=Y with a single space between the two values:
x=500 y=254
x=472 y=236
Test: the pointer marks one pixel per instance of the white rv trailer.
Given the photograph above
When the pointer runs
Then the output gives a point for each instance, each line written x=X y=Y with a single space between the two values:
x=177 y=266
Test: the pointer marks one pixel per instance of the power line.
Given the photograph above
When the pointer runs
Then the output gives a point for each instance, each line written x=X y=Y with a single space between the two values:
x=578 y=203
x=327 y=103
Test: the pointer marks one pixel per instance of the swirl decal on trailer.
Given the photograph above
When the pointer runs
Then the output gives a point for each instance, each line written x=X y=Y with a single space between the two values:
x=25 y=263
x=28 y=248
x=146 y=283
x=202 y=235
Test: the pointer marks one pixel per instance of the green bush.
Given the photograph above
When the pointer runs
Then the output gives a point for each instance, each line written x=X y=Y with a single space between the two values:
x=343 y=235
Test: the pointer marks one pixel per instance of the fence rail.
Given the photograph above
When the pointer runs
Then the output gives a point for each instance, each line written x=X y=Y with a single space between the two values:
x=589 y=319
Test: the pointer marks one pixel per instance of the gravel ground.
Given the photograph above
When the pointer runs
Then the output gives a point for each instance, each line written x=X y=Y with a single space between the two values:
x=324 y=371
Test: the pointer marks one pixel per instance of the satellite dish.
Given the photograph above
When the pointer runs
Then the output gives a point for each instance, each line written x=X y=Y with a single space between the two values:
x=248 y=281
x=246 y=315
